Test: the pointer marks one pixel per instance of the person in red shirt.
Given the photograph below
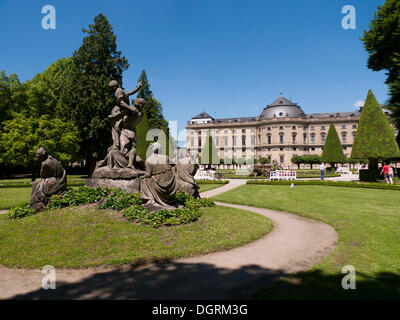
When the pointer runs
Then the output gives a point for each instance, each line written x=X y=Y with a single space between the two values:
x=385 y=171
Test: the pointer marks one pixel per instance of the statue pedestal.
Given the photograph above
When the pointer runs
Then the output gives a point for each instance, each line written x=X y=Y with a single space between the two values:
x=127 y=179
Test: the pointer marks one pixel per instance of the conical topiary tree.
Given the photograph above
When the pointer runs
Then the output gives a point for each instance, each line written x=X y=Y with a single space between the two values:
x=375 y=139
x=209 y=153
x=333 y=151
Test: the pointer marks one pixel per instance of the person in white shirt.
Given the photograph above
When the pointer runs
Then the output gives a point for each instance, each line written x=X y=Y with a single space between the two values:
x=322 y=168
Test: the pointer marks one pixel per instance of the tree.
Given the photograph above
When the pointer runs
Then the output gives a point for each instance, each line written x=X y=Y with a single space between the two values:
x=312 y=159
x=298 y=160
x=87 y=99
x=209 y=152
x=142 y=144
x=10 y=96
x=21 y=137
x=375 y=139
x=152 y=108
x=333 y=151
x=44 y=90
x=382 y=42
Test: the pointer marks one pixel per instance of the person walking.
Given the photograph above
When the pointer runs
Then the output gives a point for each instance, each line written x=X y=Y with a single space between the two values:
x=385 y=172
x=390 y=174
x=322 y=168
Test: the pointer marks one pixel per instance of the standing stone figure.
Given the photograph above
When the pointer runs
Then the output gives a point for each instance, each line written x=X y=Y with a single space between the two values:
x=53 y=180
x=159 y=185
x=122 y=153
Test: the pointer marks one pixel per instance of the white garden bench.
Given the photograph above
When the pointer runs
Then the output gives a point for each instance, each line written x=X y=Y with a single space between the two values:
x=282 y=175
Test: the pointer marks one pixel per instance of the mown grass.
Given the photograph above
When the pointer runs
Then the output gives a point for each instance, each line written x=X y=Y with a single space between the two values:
x=86 y=236
x=10 y=197
x=368 y=224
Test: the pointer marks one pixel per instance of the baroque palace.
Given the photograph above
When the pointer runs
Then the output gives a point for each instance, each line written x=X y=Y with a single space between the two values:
x=281 y=131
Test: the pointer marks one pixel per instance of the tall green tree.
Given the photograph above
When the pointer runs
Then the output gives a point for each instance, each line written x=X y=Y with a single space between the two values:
x=375 y=139
x=142 y=144
x=22 y=136
x=382 y=42
x=12 y=96
x=152 y=108
x=44 y=90
x=87 y=99
x=209 y=152
x=333 y=150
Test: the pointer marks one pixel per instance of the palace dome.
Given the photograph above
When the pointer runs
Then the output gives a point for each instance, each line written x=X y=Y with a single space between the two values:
x=282 y=108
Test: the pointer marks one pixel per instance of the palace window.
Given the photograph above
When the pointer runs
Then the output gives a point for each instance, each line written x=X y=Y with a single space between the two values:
x=312 y=137
x=259 y=138
x=234 y=140
x=281 y=137
x=344 y=137
x=305 y=138
x=280 y=128
x=322 y=127
x=252 y=140
x=294 y=138
x=192 y=142
x=281 y=159
x=269 y=129
x=243 y=140
x=354 y=126
x=269 y=138
x=225 y=141
x=217 y=141
x=199 y=142
x=323 y=137
x=312 y=128
x=293 y=127
x=343 y=126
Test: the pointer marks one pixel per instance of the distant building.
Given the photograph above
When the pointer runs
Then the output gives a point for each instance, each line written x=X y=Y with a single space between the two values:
x=281 y=131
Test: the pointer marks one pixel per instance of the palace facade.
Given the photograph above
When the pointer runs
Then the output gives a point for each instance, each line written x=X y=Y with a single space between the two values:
x=280 y=132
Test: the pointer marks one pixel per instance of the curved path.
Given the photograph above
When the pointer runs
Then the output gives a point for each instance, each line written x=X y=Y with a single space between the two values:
x=293 y=245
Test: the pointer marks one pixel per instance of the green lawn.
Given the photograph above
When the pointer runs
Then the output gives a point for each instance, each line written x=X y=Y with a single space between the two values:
x=85 y=236
x=206 y=187
x=368 y=224
x=10 y=197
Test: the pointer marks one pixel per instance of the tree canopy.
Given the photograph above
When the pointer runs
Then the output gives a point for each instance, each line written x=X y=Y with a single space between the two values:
x=382 y=42
x=87 y=99
x=22 y=136
x=333 y=151
x=374 y=139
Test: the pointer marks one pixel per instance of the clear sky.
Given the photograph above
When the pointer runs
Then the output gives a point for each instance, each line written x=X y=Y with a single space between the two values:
x=229 y=57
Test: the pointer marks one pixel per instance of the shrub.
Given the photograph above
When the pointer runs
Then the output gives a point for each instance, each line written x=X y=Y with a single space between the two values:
x=118 y=199
x=188 y=213
x=82 y=195
x=20 y=211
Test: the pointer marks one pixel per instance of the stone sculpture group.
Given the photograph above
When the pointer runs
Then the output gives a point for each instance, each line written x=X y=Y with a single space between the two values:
x=157 y=178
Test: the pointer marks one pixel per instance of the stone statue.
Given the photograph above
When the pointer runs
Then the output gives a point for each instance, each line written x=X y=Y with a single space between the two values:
x=159 y=185
x=53 y=180
x=186 y=168
x=121 y=163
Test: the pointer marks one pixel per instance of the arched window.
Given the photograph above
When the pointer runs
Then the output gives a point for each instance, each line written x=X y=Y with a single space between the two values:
x=312 y=137
x=323 y=137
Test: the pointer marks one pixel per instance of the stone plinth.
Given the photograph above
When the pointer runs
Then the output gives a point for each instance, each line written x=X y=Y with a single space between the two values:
x=131 y=185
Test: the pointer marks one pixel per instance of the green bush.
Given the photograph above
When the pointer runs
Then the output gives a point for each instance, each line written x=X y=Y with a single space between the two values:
x=371 y=185
x=212 y=181
x=188 y=213
x=20 y=211
x=82 y=195
x=118 y=199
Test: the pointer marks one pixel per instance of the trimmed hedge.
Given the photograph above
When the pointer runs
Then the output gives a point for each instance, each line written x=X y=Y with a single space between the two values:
x=212 y=181
x=371 y=185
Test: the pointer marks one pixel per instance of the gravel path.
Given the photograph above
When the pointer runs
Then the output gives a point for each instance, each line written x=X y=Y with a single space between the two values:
x=293 y=245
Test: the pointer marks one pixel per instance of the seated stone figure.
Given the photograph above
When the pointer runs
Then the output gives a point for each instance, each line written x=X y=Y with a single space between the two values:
x=53 y=181
x=159 y=185
x=186 y=168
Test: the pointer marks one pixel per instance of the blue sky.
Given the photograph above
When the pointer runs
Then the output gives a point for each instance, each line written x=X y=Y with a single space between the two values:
x=229 y=57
